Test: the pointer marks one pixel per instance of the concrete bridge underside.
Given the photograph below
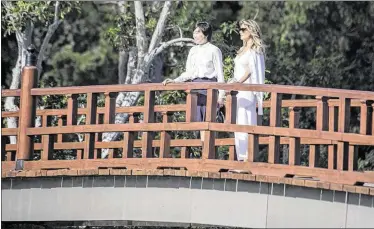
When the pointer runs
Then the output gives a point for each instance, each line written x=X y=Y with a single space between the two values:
x=182 y=201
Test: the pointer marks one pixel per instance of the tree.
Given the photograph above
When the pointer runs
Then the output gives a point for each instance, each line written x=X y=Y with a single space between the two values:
x=142 y=51
x=21 y=18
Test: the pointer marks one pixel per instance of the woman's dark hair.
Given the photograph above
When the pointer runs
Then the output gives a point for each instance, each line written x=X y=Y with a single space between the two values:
x=206 y=28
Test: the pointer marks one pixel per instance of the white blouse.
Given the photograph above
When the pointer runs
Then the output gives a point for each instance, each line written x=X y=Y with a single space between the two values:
x=204 y=61
x=255 y=62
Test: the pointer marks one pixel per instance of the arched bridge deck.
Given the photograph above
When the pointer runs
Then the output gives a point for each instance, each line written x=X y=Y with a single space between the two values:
x=34 y=159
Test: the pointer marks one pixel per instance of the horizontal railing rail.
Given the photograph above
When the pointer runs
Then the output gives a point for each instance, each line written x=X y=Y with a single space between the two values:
x=274 y=148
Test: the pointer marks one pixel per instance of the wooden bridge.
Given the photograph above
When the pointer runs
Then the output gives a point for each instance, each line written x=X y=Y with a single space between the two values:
x=332 y=111
x=280 y=142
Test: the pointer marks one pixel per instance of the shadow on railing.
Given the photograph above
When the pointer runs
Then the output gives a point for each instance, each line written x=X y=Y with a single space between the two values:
x=331 y=133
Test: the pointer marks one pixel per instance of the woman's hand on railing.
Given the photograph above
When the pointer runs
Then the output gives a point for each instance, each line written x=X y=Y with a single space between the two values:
x=167 y=81
x=232 y=80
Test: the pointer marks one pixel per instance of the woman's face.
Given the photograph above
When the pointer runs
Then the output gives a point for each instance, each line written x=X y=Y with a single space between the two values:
x=199 y=37
x=245 y=35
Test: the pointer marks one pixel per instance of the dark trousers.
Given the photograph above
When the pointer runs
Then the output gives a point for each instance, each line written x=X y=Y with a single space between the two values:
x=202 y=100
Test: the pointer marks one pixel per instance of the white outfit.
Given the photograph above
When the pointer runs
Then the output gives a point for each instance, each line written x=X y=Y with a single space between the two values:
x=204 y=61
x=246 y=100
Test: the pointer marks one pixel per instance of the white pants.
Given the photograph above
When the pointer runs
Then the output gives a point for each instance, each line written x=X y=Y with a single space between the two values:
x=245 y=115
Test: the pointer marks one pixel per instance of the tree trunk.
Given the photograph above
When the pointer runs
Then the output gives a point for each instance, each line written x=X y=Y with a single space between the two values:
x=157 y=66
x=23 y=41
x=122 y=66
x=137 y=71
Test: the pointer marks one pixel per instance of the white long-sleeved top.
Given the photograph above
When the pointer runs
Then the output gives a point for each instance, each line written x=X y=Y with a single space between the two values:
x=204 y=61
x=255 y=62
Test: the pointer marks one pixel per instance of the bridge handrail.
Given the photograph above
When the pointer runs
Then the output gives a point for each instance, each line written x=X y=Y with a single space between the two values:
x=332 y=129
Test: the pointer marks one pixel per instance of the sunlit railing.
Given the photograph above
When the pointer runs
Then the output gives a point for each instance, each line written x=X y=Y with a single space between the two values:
x=331 y=107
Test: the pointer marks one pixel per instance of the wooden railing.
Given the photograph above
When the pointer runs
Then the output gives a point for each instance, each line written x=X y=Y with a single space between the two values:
x=332 y=112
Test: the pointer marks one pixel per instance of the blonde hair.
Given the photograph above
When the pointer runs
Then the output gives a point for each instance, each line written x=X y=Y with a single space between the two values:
x=255 y=31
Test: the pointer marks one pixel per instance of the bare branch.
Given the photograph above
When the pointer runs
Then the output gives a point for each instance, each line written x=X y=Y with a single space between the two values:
x=130 y=66
x=56 y=10
x=288 y=79
x=179 y=29
x=122 y=66
x=300 y=83
x=51 y=30
x=157 y=34
x=122 y=7
x=257 y=10
x=141 y=40
x=170 y=43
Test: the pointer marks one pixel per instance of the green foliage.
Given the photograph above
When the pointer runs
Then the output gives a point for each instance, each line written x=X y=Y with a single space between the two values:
x=16 y=14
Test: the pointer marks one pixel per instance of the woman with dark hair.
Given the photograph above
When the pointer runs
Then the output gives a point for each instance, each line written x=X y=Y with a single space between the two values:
x=204 y=64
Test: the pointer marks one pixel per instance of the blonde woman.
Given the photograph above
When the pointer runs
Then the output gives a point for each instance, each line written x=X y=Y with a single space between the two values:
x=249 y=69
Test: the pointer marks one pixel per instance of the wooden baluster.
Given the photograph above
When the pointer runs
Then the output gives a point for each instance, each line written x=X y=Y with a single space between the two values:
x=322 y=124
x=72 y=110
x=333 y=118
x=333 y=127
x=110 y=113
x=191 y=105
x=72 y=115
x=231 y=107
x=209 y=137
x=314 y=155
x=184 y=152
x=59 y=123
x=149 y=117
x=365 y=116
x=343 y=147
x=27 y=111
x=165 y=137
x=232 y=156
x=98 y=136
x=275 y=121
x=48 y=141
x=322 y=118
x=89 y=138
x=294 y=143
x=253 y=147
x=353 y=158
x=128 y=139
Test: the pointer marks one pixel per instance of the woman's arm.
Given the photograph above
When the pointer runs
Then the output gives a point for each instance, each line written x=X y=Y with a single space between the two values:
x=189 y=73
x=246 y=75
x=218 y=67
x=248 y=71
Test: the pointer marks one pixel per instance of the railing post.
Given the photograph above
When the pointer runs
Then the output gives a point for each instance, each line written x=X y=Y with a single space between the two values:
x=343 y=127
x=191 y=105
x=110 y=113
x=231 y=107
x=333 y=127
x=275 y=121
x=211 y=112
x=89 y=138
x=47 y=141
x=165 y=137
x=294 y=144
x=322 y=119
x=365 y=117
x=27 y=111
x=149 y=117
x=129 y=137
